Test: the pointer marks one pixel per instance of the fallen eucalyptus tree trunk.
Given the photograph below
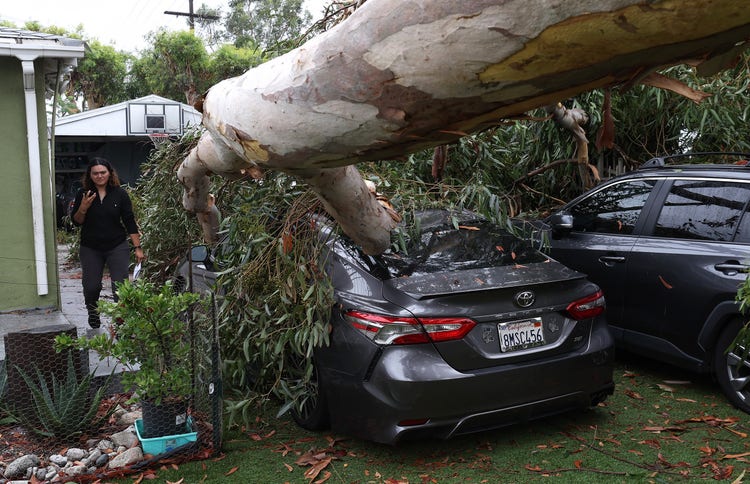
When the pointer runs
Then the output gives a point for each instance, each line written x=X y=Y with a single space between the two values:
x=397 y=77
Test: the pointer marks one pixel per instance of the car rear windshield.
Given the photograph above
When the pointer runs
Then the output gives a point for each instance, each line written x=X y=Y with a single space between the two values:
x=473 y=244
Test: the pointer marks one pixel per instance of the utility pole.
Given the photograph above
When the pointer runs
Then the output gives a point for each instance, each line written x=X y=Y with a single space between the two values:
x=192 y=16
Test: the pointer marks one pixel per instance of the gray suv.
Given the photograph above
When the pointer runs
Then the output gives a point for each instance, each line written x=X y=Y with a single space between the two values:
x=669 y=245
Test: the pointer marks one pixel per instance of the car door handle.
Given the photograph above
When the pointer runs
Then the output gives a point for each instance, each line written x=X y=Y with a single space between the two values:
x=611 y=260
x=731 y=267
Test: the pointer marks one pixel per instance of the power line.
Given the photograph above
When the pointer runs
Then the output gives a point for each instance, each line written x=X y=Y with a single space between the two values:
x=192 y=16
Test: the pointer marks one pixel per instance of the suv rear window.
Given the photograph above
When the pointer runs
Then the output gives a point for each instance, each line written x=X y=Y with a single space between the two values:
x=703 y=210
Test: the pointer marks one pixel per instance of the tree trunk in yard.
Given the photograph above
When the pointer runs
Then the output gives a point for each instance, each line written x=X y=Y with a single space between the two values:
x=397 y=77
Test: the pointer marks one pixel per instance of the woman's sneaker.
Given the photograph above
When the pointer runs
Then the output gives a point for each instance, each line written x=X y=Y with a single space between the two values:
x=94 y=320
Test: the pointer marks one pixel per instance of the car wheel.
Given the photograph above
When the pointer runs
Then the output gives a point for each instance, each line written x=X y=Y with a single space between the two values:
x=732 y=371
x=313 y=414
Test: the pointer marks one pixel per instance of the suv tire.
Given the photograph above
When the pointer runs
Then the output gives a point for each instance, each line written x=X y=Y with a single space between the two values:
x=732 y=373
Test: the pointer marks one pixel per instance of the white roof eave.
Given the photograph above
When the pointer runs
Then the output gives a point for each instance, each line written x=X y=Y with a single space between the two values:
x=35 y=51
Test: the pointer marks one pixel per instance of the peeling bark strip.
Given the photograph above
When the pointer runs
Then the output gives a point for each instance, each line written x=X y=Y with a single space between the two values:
x=397 y=76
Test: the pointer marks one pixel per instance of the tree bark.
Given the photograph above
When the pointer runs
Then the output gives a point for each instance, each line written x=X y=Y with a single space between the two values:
x=397 y=77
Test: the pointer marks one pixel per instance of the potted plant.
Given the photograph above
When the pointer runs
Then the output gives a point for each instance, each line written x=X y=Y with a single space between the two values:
x=149 y=339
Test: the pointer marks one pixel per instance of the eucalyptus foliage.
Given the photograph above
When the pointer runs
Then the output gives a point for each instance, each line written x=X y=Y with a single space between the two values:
x=273 y=25
x=275 y=300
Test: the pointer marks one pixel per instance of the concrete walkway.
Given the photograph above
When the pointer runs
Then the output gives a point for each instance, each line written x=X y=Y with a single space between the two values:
x=73 y=311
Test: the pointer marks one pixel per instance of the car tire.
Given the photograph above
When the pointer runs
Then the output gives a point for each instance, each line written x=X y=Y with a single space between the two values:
x=732 y=373
x=314 y=412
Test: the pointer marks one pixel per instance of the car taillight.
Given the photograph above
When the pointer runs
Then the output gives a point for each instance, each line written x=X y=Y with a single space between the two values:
x=389 y=330
x=587 y=307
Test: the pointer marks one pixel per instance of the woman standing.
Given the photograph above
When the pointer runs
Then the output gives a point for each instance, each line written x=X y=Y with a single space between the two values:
x=105 y=213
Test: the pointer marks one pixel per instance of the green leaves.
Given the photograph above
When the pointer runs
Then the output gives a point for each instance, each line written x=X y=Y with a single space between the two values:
x=150 y=338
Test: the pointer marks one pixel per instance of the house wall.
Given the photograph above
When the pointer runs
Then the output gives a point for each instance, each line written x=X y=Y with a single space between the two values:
x=18 y=289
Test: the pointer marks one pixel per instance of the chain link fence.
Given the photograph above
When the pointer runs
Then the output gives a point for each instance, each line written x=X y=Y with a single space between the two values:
x=72 y=413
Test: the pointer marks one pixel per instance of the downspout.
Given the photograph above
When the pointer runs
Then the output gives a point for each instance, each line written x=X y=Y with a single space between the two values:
x=51 y=148
x=35 y=174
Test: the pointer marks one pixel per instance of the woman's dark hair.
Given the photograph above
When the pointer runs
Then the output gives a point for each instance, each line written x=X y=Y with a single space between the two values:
x=88 y=184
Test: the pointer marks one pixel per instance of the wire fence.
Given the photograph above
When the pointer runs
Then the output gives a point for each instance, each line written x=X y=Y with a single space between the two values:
x=75 y=414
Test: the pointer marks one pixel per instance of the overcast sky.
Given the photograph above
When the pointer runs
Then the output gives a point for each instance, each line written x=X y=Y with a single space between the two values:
x=122 y=24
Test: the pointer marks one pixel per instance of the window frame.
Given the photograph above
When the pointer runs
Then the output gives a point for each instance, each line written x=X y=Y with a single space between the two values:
x=645 y=211
x=649 y=225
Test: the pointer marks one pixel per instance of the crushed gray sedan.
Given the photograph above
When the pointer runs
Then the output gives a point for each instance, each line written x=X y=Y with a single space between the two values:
x=467 y=328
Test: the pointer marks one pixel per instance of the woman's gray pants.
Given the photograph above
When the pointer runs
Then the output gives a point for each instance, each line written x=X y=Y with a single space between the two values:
x=92 y=271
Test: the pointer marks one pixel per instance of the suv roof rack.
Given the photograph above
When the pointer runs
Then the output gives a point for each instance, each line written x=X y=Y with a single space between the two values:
x=660 y=161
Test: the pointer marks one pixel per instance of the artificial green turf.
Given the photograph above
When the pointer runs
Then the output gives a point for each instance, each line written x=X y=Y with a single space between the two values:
x=661 y=425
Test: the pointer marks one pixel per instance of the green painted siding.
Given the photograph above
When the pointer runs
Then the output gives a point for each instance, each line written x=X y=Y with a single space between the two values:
x=18 y=289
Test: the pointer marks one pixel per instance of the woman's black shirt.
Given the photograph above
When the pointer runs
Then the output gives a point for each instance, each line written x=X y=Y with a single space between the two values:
x=108 y=222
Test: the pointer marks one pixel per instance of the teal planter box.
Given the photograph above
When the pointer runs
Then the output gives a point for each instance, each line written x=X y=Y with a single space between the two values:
x=160 y=445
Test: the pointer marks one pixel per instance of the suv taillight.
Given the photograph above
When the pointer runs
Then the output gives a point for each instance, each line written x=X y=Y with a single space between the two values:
x=587 y=307
x=389 y=330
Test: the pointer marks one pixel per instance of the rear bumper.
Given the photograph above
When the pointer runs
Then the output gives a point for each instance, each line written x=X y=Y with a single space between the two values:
x=414 y=383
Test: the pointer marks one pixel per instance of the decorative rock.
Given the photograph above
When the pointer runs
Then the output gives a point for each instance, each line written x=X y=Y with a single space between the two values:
x=102 y=460
x=126 y=458
x=126 y=438
x=105 y=445
x=75 y=453
x=119 y=412
x=51 y=473
x=76 y=471
x=20 y=466
x=39 y=473
x=58 y=460
x=129 y=418
x=91 y=458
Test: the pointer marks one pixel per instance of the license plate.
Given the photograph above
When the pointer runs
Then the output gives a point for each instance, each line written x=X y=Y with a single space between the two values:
x=520 y=335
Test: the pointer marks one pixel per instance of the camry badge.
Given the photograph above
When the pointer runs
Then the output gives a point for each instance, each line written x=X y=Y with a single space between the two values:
x=524 y=299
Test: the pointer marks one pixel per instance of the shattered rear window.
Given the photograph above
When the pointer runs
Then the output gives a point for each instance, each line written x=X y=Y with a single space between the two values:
x=475 y=244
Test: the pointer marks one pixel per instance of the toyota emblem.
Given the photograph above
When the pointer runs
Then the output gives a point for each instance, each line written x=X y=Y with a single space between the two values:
x=525 y=299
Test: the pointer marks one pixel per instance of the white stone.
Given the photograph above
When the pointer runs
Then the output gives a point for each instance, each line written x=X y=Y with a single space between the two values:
x=126 y=438
x=58 y=460
x=20 y=467
x=74 y=453
x=128 y=457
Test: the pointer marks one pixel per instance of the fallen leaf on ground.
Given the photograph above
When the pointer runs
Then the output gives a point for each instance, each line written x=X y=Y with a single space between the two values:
x=231 y=471
x=633 y=394
x=736 y=456
x=326 y=476
x=315 y=469
x=662 y=428
x=739 y=478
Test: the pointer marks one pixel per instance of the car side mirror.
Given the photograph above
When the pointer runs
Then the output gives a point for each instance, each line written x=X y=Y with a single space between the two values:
x=199 y=253
x=561 y=224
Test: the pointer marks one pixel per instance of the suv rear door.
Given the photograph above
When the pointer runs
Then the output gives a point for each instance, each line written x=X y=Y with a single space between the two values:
x=685 y=263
